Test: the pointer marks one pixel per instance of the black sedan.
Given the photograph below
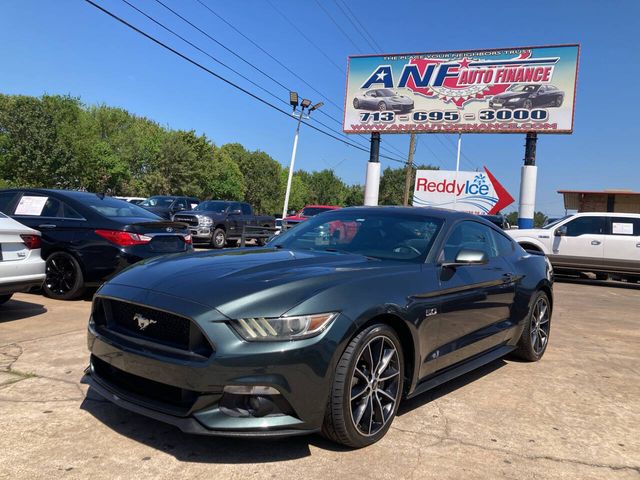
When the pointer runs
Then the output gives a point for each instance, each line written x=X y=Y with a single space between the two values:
x=528 y=96
x=87 y=238
x=315 y=331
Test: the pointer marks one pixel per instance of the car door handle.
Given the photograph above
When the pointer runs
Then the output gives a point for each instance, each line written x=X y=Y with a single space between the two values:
x=595 y=242
x=46 y=226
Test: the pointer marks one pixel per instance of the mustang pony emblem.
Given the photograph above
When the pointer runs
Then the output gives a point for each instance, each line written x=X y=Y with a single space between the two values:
x=143 y=322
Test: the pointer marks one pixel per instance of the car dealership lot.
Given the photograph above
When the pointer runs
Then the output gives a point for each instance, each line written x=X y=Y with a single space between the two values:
x=575 y=414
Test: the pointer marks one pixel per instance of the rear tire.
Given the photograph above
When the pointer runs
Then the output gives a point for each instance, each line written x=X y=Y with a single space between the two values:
x=367 y=388
x=5 y=298
x=64 y=279
x=535 y=336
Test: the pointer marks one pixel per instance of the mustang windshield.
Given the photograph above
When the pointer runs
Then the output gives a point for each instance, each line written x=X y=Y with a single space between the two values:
x=385 y=235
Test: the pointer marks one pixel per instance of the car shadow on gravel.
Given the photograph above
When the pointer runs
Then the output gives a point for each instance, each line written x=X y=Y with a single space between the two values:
x=602 y=283
x=19 y=309
x=200 y=448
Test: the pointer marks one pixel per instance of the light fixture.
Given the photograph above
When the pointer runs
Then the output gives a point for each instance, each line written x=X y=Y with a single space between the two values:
x=305 y=103
x=293 y=99
x=316 y=106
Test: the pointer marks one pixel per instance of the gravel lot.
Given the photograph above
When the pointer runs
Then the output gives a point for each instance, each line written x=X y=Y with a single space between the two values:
x=576 y=414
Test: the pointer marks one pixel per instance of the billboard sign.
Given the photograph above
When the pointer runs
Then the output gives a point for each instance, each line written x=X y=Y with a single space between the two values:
x=511 y=90
x=471 y=192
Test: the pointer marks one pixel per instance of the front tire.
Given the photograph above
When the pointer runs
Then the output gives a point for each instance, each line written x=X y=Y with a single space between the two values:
x=219 y=238
x=558 y=102
x=528 y=104
x=366 y=389
x=64 y=279
x=356 y=103
x=382 y=106
x=535 y=336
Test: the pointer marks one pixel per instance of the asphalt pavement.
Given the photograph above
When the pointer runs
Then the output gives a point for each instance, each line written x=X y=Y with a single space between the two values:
x=573 y=415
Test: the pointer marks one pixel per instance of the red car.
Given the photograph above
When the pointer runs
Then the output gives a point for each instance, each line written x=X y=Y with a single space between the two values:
x=339 y=231
x=309 y=211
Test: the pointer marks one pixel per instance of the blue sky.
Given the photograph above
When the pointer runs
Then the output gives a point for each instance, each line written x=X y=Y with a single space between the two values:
x=69 y=47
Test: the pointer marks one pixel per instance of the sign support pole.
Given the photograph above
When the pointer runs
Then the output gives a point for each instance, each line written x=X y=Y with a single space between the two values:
x=372 y=182
x=528 y=177
x=409 y=171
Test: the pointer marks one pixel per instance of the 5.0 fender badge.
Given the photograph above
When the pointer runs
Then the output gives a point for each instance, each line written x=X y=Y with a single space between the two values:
x=431 y=312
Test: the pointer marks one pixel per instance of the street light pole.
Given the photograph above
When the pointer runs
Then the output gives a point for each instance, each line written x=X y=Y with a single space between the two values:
x=291 y=165
x=305 y=104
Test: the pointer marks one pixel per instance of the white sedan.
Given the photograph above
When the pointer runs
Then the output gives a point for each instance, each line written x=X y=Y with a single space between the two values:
x=21 y=266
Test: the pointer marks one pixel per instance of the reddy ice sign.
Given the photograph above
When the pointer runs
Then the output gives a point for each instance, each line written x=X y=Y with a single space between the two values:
x=528 y=89
x=472 y=192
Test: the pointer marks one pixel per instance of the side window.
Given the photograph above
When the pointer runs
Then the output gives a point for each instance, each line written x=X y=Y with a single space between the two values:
x=182 y=203
x=38 y=206
x=470 y=235
x=52 y=208
x=246 y=209
x=503 y=244
x=68 y=212
x=585 y=225
x=6 y=201
x=625 y=226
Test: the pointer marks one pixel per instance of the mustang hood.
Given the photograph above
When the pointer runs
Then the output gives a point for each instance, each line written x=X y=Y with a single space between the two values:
x=248 y=283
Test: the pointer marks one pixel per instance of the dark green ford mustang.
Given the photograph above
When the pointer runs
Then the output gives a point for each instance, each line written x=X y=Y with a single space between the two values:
x=325 y=329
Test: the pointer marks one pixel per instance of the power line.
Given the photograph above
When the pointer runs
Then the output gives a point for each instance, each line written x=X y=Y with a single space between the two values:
x=219 y=61
x=307 y=38
x=220 y=77
x=346 y=35
x=258 y=46
x=374 y=45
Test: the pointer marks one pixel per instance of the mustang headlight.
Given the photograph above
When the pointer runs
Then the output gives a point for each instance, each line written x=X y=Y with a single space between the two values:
x=204 y=221
x=283 y=328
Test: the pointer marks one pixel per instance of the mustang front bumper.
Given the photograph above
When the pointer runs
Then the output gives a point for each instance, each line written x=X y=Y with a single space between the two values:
x=190 y=393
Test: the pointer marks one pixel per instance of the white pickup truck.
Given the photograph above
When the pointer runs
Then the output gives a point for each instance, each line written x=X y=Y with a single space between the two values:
x=598 y=242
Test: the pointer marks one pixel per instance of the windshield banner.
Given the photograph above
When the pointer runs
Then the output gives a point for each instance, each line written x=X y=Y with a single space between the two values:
x=472 y=192
x=514 y=90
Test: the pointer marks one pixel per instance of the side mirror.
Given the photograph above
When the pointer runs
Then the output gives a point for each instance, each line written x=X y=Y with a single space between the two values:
x=467 y=256
x=561 y=231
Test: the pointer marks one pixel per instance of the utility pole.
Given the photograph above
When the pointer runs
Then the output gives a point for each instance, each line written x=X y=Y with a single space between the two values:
x=372 y=181
x=528 y=178
x=409 y=171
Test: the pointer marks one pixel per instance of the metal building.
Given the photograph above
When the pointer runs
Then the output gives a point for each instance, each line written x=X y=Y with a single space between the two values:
x=622 y=201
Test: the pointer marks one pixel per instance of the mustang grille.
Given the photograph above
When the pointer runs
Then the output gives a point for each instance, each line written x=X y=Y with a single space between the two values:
x=155 y=326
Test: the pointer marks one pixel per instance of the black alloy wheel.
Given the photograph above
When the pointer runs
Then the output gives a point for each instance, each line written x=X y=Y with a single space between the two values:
x=535 y=336
x=367 y=388
x=64 y=279
x=219 y=238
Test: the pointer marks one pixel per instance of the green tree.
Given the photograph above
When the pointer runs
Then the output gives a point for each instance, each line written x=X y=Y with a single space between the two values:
x=512 y=218
x=392 y=184
x=354 y=196
x=299 y=191
x=262 y=177
x=325 y=187
x=223 y=179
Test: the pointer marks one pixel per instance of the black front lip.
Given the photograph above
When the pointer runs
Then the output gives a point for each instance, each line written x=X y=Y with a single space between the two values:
x=185 y=424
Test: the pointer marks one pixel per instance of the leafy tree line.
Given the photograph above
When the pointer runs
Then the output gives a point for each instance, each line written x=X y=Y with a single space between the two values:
x=58 y=142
